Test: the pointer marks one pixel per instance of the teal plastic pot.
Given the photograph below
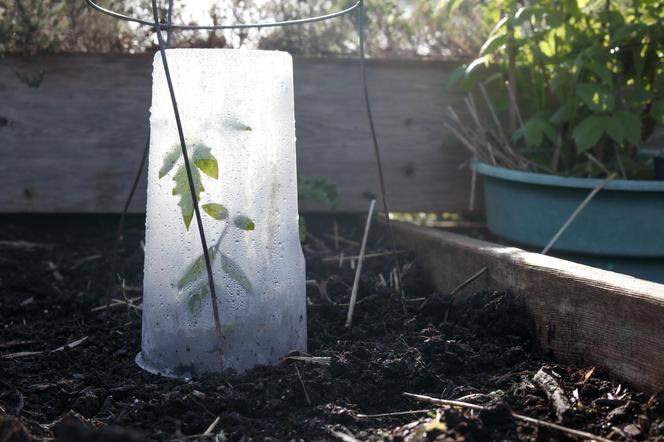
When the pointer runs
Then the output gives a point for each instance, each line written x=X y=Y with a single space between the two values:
x=625 y=220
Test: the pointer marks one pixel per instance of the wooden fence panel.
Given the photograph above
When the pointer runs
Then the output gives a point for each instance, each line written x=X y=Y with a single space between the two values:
x=73 y=143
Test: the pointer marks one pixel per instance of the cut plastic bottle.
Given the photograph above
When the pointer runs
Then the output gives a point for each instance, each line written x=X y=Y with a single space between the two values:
x=237 y=115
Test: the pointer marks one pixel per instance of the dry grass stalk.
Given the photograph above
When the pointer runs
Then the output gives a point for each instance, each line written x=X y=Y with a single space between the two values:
x=576 y=212
x=321 y=360
x=358 y=270
x=486 y=144
x=299 y=376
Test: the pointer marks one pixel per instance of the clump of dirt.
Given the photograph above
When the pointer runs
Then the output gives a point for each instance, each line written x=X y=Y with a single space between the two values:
x=52 y=278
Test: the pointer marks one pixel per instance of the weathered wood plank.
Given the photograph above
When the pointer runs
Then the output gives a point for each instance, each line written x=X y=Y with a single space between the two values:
x=582 y=315
x=72 y=144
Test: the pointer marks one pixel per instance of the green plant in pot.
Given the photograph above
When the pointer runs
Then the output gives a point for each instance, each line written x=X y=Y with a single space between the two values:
x=560 y=99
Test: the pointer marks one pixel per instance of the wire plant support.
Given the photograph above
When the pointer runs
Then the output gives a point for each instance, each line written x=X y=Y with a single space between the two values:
x=169 y=27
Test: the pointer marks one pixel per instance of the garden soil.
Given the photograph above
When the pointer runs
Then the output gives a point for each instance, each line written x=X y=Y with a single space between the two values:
x=67 y=370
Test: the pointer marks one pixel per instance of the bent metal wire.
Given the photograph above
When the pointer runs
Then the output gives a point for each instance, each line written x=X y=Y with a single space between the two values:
x=168 y=27
x=159 y=27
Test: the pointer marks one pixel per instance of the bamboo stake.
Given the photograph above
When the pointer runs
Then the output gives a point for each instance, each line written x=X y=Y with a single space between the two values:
x=358 y=270
x=576 y=212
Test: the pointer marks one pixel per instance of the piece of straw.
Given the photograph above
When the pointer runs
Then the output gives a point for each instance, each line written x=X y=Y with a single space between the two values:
x=358 y=269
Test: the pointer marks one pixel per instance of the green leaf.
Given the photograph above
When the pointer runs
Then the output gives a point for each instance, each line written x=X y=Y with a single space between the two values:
x=236 y=273
x=225 y=329
x=631 y=124
x=244 y=222
x=534 y=130
x=657 y=111
x=601 y=71
x=196 y=269
x=238 y=125
x=621 y=32
x=637 y=95
x=475 y=65
x=216 y=211
x=449 y=6
x=525 y=13
x=181 y=188
x=493 y=43
x=195 y=301
x=456 y=76
x=589 y=131
x=205 y=161
x=169 y=160
x=596 y=97
x=316 y=188
x=555 y=18
x=563 y=114
x=499 y=25
x=616 y=130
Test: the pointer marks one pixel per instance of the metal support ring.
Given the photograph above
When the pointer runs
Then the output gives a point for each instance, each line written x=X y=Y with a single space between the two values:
x=166 y=27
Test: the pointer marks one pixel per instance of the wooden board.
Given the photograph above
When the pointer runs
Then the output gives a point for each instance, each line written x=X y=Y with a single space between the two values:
x=582 y=315
x=72 y=144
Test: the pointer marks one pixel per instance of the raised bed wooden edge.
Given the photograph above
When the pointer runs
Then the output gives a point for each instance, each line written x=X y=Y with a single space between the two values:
x=581 y=315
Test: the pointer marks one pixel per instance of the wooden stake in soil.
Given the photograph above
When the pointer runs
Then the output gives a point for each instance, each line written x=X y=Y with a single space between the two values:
x=530 y=420
x=358 y=270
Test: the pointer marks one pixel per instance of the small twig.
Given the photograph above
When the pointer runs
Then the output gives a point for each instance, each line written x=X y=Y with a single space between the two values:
x=15 y=343
x=340 y=238
x=473 y=186
x=538 y=422
x=395 y=413
x=461 y=286
x=126 y=300
x=341 y=258
x=128 y=304
x=321 y=360
x=576 y=212
x=23 y=245
x=358 y=270
x=496 y=121
x=115 y=303
x=24 y=354
x=335 y=229
x=491 y=154
x=81 y=261
x=555 y=392
x=299 y=376
x=468 y=281
x=619 y=161
x=212 y=426
x=346 y=436
x=511 y=93
x=601 y=165
x=320 y=244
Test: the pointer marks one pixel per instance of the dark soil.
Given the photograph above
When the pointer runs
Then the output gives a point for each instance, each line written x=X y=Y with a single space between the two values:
x=54 y=270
